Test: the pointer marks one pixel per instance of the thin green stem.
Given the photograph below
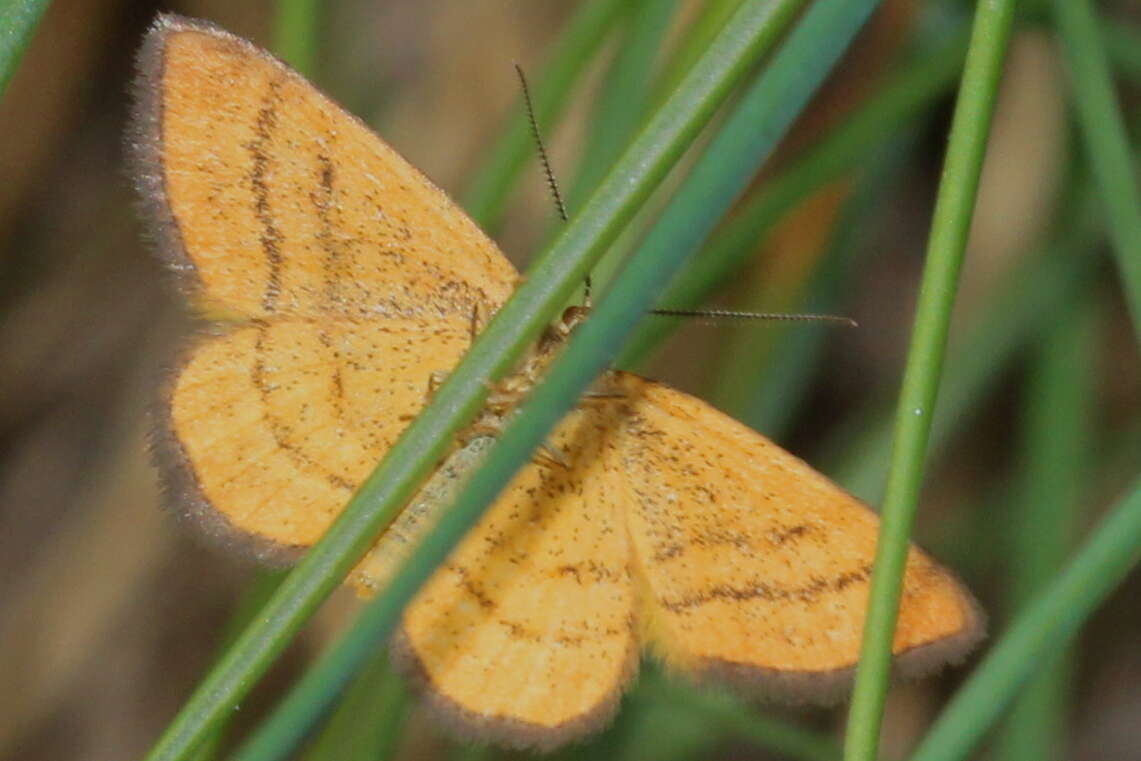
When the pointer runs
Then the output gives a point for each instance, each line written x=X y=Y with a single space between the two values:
x=922 y=81
x=1045 y=626
x=516 y=326
x=486 y=196
x=251 y=601
x=712 y=17
x=623 y=96
x=1019 y=305
x=743 y=142
x=365 y=726
x=725 y=714
x=649 y=727
x=1103 y=130
x=18 y=22
x=1123 y=43
x=623 y=101
x=1056 y=445
x=952 y=218
x=295 y=34
x=774 y=388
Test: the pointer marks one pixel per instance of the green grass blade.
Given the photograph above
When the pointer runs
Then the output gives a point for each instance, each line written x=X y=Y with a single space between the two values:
x=1040 y=631
x=711 y=18
x=1057 y=442
x=952 y=218
x=623 y=98
x=724 y=712
x=253 y=598
x=1106 y=141
x=923 y=80
x=665 y=717
x=1123 y=43
x=724 y=170
x=365 y=726
x=474 y=752
x=1021 y=304
x=295 y=34
x=18 y=22
x=772 y=390
x=486 y=196
x=650 y=727
x=622 y=103
x=551 y=281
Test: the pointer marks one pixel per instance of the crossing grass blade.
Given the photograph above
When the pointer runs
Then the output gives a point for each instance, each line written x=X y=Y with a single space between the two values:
x=915 y=411
x=517 y=325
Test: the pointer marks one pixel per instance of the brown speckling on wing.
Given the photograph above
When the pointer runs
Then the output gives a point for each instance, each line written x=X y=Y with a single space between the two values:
x=756 y=567
x=279 y=201
x=278 y=422
x=344 y=278
x=527 y=635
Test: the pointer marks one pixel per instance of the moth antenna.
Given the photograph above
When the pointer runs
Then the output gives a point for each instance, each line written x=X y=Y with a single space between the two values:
x=552 y=183
x=729 y=314
x=548 y=171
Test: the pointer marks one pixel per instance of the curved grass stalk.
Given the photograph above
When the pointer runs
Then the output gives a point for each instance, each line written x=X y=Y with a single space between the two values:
x=953 y=210
x=517 y=325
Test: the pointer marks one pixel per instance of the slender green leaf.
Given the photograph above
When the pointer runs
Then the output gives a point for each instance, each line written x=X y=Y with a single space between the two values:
x=924 y=79
x=1045 y=626
x=366 y=724
x=18 y=22
x=772 y=389
x=723 y=712
x=552 y=279
x=623 y=97
x=1057 y=442
x=952 y=219
x=712 y=17
x=1022 y=302
x=744 y=141
x=1106 y=141
x=1123 y=43
x=295 y=28
x=488 y=191
x=623 y=101
x=251 y=601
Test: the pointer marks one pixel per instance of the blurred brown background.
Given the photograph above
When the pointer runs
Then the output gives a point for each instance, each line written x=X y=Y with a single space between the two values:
x=111 y=610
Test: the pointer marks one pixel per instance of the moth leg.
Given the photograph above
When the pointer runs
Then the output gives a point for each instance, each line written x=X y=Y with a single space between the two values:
x=436 y=379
